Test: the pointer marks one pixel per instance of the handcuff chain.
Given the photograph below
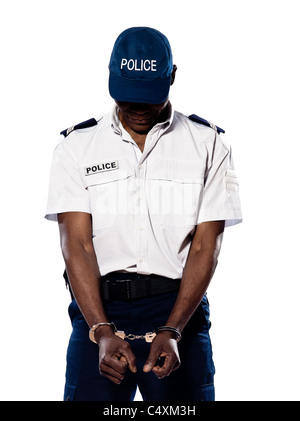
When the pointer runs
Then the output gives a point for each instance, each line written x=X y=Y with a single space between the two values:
x=149 y=336
x=132 y=336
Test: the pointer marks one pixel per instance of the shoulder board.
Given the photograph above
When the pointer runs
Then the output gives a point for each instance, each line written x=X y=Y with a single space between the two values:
x=200 y=120
x=84 y=125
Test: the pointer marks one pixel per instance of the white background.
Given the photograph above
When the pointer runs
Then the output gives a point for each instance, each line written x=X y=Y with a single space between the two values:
x=238 y=66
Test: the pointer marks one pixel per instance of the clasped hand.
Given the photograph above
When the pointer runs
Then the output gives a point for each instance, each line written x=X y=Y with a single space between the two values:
x=116 y=356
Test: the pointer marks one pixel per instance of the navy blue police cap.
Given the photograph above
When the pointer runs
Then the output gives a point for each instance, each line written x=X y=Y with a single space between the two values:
x=141 y=66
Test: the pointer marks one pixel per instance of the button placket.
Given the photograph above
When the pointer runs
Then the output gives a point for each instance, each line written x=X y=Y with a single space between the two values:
x=141 y=219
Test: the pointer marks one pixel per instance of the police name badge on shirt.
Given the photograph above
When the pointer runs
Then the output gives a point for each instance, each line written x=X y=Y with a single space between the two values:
x=106 y=166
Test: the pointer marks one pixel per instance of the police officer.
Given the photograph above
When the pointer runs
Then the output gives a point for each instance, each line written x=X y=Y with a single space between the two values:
x=141 y=196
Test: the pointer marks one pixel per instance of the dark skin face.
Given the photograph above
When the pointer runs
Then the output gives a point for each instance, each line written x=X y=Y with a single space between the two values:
x=139 y=117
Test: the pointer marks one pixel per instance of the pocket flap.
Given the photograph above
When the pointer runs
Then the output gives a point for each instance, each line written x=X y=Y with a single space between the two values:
x=106 y=172
x=176 y=171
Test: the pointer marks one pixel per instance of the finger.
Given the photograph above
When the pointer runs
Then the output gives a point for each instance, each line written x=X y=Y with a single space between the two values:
x=151 y=362
x=113 y=375
x=130 y=359
x=113 y=379
x=166 y=364
x=115 y=366
x=170 y=364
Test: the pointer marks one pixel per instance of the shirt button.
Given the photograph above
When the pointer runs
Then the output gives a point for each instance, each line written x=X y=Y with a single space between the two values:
x=141 y=228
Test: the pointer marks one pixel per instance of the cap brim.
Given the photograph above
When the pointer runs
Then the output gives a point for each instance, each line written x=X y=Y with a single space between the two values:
x=147 y=92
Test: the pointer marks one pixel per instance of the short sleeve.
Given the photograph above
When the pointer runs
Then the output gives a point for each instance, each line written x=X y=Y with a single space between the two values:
x=66 y=190
x=220 y=194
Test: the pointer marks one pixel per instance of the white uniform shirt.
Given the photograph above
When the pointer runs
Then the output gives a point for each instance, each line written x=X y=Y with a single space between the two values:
x=144 y=206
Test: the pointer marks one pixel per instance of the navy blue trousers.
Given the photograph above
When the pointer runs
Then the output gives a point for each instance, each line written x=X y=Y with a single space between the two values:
x=193 y=381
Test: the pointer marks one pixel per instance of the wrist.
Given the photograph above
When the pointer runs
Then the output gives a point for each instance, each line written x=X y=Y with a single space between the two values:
x=101 y=329
x=173 y=331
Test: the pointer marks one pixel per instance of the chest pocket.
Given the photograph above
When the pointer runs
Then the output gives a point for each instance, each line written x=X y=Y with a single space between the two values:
x=174 y=191
x=108 y=195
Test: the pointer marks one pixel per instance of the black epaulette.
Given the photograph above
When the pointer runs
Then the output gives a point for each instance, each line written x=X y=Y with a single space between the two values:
x=200 y=120
x=84 y=125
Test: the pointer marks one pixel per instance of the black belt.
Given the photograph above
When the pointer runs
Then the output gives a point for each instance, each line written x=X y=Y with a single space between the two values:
x=129 y=286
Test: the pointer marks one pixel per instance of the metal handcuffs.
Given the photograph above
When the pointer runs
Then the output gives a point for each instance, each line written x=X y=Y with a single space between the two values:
x=149 y=336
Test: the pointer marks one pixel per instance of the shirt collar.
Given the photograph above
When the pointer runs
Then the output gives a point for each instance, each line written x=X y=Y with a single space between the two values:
x=114 y=120
x=116 y=124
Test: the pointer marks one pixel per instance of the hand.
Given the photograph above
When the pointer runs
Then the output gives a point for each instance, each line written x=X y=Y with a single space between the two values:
x=115 y=356
x=163 y=350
